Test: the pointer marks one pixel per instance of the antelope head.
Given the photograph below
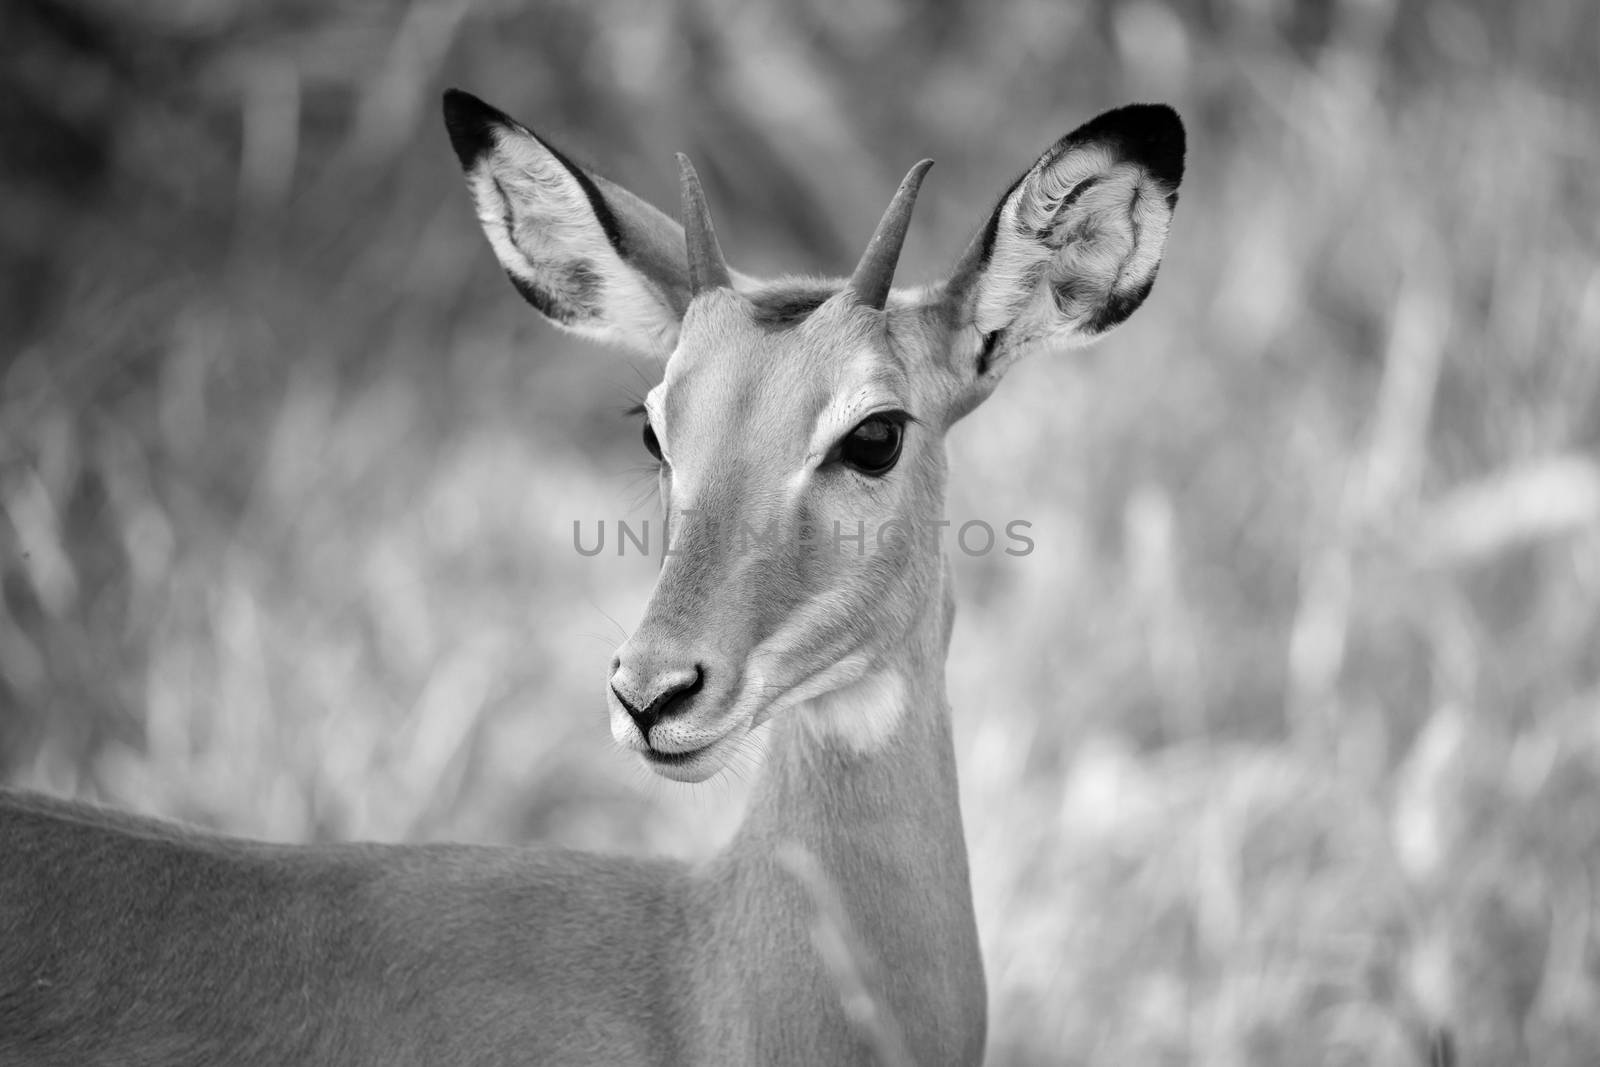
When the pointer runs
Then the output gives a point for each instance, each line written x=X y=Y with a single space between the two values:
x=799 y=424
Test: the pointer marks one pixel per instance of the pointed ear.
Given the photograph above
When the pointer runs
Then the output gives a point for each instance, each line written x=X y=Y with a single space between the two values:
x=591 y=256
x=1072 y=248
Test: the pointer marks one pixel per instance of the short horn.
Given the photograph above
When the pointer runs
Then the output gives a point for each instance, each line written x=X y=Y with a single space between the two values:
x=707 y=268
x=875 y=273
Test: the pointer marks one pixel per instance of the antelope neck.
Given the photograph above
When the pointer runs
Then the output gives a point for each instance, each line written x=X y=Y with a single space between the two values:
x=878 y=818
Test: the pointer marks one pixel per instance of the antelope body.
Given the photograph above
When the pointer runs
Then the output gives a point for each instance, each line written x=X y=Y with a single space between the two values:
x=791 y=405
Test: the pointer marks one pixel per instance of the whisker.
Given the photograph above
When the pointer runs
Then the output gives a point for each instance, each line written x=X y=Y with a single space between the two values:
x=622 y=631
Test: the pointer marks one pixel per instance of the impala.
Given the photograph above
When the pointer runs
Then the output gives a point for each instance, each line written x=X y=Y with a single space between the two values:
x=802 y=407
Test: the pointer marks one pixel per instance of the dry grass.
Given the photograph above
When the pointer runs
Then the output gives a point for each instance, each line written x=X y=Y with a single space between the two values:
x=1282 y=748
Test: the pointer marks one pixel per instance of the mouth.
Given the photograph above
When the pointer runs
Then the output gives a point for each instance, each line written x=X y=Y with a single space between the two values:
x=671 y=759
x=694 y=765
x=688 y=746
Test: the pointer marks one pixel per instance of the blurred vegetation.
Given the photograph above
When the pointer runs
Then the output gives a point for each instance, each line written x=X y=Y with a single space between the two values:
x=1282 y=748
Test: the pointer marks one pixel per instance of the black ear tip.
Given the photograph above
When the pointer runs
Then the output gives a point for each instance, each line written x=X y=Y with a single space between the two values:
x=471 y=124
x=1149 y=134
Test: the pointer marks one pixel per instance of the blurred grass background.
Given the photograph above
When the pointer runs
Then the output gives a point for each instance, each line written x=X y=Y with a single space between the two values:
x=1283 y=747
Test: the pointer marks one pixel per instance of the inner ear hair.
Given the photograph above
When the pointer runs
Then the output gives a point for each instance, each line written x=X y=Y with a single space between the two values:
x=586 y=253
x=1073 y=247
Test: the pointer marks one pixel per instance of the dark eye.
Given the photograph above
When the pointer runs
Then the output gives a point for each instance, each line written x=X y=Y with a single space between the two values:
x=652 y=443
x=873 y=448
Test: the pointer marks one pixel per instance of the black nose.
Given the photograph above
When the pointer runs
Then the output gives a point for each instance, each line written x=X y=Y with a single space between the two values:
x=668 y=702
